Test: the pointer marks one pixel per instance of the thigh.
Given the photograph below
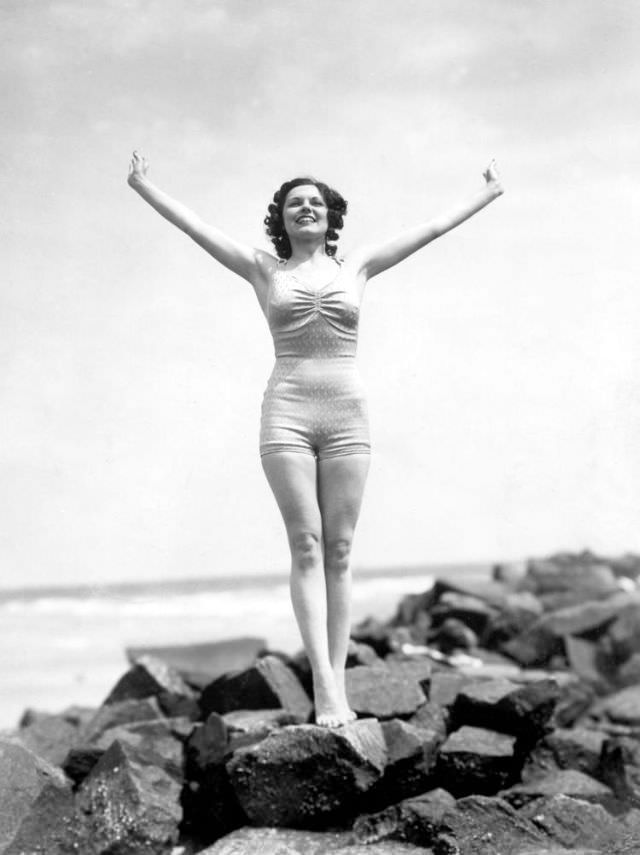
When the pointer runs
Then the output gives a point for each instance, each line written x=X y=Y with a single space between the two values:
x=341 y=482
x=293 y=477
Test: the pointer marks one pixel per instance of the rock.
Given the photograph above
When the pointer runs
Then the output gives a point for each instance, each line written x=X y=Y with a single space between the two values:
x=50 y=737
x=374 y=633
x=624 y=632
x=158 y=741
x=430 y=716
x=124 y=712
x=413 y=820
x=520 y=611
x=521 y=710
x=132 y=808
x=306 y=776
x=37 y=814
x=534 y=646
x=269 y=684
x=200 y=664
x=509 y=573
x=622 y=707
x=383 y=692
x=565 y=782
x=472 y=612
x=629 y=672
x=444 y=686
x=590 y=615
x=79 y=761
x=287 y=841
x=208 y=745
x=476 y=760
x=619 y=768
x=584 y=573
x=576 y=697
x=479 y=825
x=411 y=758
x=151 y=677
x=452 y=634
x=586 y=659
x=572 y=822
x=576 y=748
x=246 y=727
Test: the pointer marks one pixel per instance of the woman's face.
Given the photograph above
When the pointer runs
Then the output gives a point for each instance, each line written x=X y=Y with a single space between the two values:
x=305 y=212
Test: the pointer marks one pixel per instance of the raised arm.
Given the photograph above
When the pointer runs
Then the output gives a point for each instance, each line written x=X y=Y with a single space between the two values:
x=376 y=259
x=241 y=259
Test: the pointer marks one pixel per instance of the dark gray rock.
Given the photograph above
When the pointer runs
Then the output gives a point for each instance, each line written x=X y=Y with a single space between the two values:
x=521 y=710
x=383 y=692
x=306 y=776
x=472 y=612
x=477 y=760
x=567 y=782
x=50 y=737
x=619 y=768
x=37 y=813
x=628 y=673
x=200 y=664
x=624 y=632
x=151 y=677
x=246 y=727
x=430 y=716
x=269 y=684
x=132 y=808
x=453 y=634
x=124 y=712
x=479 y=825
x=577 y=748
x=572 y=822
x=411 y=758
x=415 y=820
x=375 y=634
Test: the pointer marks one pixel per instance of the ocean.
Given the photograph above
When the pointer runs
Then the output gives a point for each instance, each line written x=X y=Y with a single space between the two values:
x=66 y=645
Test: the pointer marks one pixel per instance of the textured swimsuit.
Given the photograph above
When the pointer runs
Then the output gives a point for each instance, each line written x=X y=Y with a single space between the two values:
x=314 y=402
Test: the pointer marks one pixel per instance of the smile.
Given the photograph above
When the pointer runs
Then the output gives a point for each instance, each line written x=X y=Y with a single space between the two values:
x=305 y=219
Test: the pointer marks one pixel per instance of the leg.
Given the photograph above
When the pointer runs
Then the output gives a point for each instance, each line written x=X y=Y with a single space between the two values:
x=341 y=483
x=293 y=479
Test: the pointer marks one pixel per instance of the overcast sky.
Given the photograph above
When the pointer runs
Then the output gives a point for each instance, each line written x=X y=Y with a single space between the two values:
x=502 y=362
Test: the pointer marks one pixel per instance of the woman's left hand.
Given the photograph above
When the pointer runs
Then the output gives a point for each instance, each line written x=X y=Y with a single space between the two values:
x=492 y=177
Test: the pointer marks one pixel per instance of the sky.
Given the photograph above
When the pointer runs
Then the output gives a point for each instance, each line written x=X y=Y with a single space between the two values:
x=502 y=362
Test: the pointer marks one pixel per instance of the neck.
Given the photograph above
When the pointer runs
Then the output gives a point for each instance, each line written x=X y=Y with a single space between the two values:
x=308 y=251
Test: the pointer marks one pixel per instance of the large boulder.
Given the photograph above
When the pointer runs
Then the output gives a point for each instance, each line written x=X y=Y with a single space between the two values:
x=573 y=822
x=269 y=684
x=200 y=664
x=151 y=677
x=307 y=776
x=384 y=692
x=411 y=759
x=566 y=748
x=521 y=710
x=132 y=805
x=414 y=820
x=37 y=812
x=567 y=782
x=477 y=760
x=480 y=825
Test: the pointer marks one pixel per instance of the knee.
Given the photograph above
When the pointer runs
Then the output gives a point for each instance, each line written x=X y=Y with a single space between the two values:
x=305 y=550
x=337 y=554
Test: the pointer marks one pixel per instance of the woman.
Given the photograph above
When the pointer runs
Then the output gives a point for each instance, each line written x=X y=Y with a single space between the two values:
x=314 y=441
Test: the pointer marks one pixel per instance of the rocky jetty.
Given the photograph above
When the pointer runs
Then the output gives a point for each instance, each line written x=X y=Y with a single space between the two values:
x=494 y=719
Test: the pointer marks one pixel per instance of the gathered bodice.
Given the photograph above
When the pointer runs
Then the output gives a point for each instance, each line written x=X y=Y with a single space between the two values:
x=308 y=322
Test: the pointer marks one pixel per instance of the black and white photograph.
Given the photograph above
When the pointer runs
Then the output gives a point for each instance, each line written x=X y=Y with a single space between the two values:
x=320 y=427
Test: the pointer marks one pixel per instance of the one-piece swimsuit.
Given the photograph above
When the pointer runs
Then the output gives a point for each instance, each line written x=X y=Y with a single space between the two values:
x=314 y=402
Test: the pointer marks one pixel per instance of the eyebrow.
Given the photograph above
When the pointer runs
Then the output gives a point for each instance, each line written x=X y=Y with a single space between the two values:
x=317 y=196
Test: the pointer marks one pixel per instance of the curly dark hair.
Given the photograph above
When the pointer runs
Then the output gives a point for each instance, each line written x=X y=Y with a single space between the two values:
x=274 y=223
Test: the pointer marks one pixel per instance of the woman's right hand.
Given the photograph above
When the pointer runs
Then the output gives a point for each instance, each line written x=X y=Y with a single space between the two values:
x=137 y=169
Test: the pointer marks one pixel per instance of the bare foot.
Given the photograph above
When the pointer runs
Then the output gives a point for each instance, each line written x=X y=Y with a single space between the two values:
x=331 y=711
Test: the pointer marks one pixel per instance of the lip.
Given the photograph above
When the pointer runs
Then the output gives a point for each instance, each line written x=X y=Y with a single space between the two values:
x=306 y=217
